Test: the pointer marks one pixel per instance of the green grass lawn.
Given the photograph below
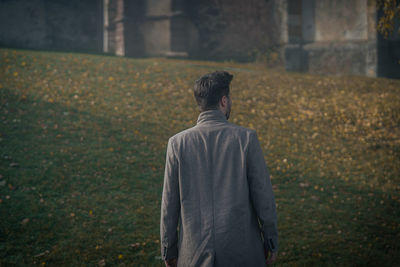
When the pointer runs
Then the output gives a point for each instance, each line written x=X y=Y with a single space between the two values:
x=83 y=141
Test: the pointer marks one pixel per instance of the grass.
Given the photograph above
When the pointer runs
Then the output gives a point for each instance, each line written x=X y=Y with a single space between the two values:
x=83 y=142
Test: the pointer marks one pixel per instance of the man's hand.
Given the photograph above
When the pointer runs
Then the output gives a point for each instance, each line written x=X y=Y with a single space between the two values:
x=171 y=262
x=270 y=257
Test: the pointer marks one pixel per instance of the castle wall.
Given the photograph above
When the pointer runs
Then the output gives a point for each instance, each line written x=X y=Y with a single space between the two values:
x=23 y=24
x=336 y=37
x=236 y=29
x=317 y=36
x=341 y=20
x=53 y=25
x=344 y=40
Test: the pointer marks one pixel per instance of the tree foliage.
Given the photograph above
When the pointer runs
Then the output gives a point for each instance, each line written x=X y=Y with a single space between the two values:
x=391 y=12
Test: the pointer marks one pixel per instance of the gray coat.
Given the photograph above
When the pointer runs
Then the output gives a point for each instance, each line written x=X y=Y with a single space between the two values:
x=218 y=193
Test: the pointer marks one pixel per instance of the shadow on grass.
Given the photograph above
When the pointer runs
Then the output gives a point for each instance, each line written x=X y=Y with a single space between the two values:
x=76 y=187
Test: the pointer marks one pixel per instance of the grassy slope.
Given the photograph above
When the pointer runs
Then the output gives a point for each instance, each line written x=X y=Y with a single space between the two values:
x=83 y=142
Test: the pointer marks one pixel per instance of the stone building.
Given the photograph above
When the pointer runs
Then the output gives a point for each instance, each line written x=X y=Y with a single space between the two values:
x=207 y=29
x=316 y=36
x=339 y=37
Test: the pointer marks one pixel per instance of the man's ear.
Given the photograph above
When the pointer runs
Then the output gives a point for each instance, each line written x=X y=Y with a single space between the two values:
x=224 y=101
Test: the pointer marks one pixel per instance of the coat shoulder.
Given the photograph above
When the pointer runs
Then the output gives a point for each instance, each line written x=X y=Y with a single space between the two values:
x=181 y=134
x=196 y=130
x=242 y=130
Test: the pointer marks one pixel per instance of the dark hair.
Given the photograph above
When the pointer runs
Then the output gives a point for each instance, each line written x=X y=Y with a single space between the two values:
x=209 y=89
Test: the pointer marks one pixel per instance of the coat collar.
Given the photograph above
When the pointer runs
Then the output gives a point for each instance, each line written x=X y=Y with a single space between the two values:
x=211 y=115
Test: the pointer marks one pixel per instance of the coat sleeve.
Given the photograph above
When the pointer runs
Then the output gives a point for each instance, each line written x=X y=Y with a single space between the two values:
x=261 y=193
x=170 y=206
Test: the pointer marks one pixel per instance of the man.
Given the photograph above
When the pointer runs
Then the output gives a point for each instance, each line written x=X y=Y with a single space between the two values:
x=217 y=188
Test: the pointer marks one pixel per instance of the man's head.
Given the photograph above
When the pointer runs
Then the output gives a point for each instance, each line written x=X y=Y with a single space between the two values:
x=212 y=92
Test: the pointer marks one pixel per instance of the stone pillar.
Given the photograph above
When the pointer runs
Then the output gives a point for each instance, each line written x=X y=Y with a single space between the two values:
x=295 y=57
x=372 y=57
x=105 y=25
x=119 y=29
x=134 y=11
x=179 y=30
x=157 y=27
x=308 y=21
x=281 y=7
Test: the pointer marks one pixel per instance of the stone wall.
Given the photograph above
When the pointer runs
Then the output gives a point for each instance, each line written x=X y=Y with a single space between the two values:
x=341 y=20
x=339 y=58
x=69 y=25
x=236 y=29
x=334 y=37
x=23 y=24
